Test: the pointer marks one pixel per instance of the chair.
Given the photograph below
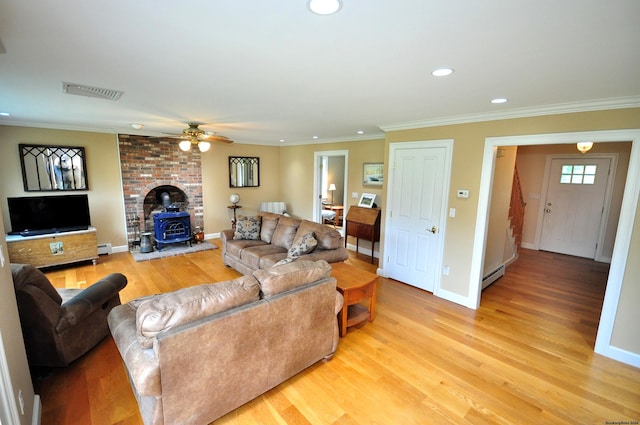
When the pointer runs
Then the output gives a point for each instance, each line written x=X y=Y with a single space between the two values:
x=58 y=326
x=274 y=207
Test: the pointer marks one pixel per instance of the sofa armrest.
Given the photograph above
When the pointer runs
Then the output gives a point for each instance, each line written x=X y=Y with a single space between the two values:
x=336 y=333
x=90 y=299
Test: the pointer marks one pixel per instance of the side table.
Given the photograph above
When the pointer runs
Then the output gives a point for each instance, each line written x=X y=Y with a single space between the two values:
x=356 y=286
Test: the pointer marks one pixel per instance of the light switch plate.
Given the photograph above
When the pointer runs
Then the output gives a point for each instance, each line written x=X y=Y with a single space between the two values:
x=354 y=195
x=462 y=193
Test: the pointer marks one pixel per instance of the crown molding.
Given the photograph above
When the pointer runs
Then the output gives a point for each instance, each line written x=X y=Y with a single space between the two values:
x=555 y=109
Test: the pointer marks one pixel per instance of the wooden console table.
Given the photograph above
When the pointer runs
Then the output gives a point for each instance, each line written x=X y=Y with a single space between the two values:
x=363 y=223
x=54 y=248
x=356 y=286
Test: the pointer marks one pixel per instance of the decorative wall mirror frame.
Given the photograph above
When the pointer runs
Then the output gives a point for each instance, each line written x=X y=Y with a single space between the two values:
x=244 y=171
x=48 y=168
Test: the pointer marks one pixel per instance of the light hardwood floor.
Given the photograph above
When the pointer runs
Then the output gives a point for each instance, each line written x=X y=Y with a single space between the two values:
x=524 y=357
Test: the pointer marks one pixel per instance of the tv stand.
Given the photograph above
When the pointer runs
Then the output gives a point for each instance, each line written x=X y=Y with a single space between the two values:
x=54 y=249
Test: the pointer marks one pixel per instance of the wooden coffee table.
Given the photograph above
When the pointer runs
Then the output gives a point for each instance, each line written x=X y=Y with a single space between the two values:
x=356 y=286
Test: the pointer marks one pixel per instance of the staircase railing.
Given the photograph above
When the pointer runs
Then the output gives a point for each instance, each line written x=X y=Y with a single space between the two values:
x=516 y=209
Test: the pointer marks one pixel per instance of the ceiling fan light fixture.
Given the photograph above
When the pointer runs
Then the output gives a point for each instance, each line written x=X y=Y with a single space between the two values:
x=324 y=7
x=204 y=146
x=584 y=147
x=185 y=145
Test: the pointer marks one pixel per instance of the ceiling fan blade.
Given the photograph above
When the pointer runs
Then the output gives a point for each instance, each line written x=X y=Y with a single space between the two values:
x=215 y=138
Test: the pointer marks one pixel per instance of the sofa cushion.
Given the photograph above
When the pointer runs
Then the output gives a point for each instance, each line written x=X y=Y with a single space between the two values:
x=247 y=228
x=251 y=256
x=289 y=276
x=304 y=245
x=235 y=247
x=268 y=226
x=172 y=309
x=327 y=237
x=285 y=232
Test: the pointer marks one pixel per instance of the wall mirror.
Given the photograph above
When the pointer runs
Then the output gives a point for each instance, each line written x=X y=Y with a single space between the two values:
x=51 y=168
x=244 y=171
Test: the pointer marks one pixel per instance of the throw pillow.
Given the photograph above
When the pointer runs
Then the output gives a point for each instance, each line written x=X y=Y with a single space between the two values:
x=304 y=245
x=247 y=228
x=284 y=261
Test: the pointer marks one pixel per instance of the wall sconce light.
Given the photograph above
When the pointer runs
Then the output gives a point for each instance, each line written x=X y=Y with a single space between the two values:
x=584 y=147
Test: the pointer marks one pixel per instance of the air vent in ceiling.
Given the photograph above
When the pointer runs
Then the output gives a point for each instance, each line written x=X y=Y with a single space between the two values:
x=82 y=90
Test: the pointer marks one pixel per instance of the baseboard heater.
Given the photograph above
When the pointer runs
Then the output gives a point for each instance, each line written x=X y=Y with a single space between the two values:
x=493 y=276
x=105 y=248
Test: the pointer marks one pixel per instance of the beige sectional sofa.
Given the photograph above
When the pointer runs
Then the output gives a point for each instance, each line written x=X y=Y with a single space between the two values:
x=263 y=241
x=195 y=354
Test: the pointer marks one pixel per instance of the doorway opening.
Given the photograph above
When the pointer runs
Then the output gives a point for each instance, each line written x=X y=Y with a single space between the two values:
x=622 y=236
x=330 y=187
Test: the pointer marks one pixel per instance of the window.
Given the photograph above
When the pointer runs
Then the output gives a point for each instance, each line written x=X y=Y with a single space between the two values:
x=578 y=174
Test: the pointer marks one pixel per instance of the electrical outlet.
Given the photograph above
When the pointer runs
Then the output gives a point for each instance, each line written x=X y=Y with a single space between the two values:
x=452 y=212
x=446 y=270
x=1 y=257
x=21 y=401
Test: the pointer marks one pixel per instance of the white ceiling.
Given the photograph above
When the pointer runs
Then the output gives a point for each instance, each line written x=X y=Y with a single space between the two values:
x=259 y=71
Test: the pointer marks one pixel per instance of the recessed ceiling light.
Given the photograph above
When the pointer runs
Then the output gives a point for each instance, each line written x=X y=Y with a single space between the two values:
x=4 y=114
x=137 y=126
x=281 y=140
x=442 y=72
x=315 y=137
x=324 y=7
x=360 y=131
x=499 y=100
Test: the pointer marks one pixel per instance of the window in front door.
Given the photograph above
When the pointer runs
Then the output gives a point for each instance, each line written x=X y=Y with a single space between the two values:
x=578 y=174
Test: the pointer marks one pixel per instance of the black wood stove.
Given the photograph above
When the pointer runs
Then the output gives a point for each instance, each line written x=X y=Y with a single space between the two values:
x=172 y=227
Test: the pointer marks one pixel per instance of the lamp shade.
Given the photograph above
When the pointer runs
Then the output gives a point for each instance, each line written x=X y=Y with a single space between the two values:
x=234 y=198
x=332 y=187
x=204 y=146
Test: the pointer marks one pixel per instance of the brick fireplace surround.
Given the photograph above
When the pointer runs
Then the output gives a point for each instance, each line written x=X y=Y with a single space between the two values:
x=147 y=164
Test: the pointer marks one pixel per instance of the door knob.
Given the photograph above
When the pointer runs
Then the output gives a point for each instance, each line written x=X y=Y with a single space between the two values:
x=433 y=230
x=548 y=210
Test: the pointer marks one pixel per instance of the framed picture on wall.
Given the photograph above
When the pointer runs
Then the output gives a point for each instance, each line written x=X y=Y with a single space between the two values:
x=366 y=200
x=372 y=173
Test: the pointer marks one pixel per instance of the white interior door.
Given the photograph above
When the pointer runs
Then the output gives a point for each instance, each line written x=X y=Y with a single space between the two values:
x=415 y=221
x=574 y=205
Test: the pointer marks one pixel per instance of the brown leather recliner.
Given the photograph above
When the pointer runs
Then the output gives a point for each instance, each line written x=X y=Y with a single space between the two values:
x=58 y=326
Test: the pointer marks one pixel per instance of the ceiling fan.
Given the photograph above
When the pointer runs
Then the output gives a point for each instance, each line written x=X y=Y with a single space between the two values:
x=197 y=136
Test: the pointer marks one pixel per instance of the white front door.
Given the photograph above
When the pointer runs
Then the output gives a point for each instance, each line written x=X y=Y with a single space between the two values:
x=574 y=205
x=414 y=230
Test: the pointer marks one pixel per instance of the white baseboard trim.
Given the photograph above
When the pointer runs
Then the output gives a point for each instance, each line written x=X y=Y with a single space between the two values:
x=120 y=248
x=529 y=246
x=363 y=251
x=36 y=415
x=621 y=355
x=455 y=298
x=212 y=236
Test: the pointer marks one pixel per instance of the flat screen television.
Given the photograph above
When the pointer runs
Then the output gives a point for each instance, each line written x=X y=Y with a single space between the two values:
x=37 y=215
